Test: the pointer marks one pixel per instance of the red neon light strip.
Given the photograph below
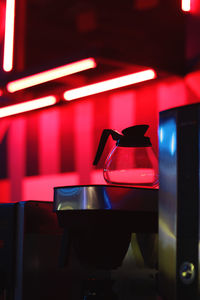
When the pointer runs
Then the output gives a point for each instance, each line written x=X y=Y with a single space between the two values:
x=9 y=36
x=52 y=74
x=109 y=84
x=186 y=5
x=27 y=106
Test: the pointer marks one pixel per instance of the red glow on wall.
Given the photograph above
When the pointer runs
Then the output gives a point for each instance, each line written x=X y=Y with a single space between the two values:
x=110 y=84
x=9 y=36
x=49 y=129
x=186 y=5
x=27 y=106
x=192 y=80
x=41 y=187
x=52 y=74
x=5 y=191
x=70 y=133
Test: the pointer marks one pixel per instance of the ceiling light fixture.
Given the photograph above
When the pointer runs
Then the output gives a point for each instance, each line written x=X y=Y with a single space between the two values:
x=186 y=5
x=52 y=74
x=110 y=84
x=9 y=36
x=27 y=106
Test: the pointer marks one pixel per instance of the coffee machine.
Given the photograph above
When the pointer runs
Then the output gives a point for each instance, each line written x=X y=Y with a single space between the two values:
x=30 y=239
x=76 y=247
x=179 y=204
x=98 y=222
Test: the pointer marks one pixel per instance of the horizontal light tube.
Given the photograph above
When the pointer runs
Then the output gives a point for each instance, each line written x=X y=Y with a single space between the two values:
x=109 y=84
x=52 y=74
x=27 y=106
x=186 y=5
x=9 y=36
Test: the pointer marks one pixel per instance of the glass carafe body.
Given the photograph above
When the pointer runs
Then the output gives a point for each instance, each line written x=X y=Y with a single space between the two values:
x=137 y=166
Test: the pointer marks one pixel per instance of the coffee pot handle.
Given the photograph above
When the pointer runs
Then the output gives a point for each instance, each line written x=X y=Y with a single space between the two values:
x=105 y=134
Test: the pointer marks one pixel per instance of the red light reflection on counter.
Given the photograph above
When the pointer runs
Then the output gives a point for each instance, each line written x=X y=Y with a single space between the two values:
x=52 y=74
x=186 y=5
x=110 y=84
x=27 y=106
x=9 y=36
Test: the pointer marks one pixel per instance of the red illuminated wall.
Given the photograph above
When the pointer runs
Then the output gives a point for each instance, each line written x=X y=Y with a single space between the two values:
x=56 y=146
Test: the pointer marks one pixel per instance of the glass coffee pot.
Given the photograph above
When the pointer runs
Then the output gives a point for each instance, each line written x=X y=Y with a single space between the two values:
x=132 y=160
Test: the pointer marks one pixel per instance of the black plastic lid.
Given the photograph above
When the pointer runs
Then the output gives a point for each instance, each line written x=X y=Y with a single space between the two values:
x=131 y=137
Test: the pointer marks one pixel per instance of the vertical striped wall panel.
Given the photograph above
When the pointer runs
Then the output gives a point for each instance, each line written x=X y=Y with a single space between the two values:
x=56 y=146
